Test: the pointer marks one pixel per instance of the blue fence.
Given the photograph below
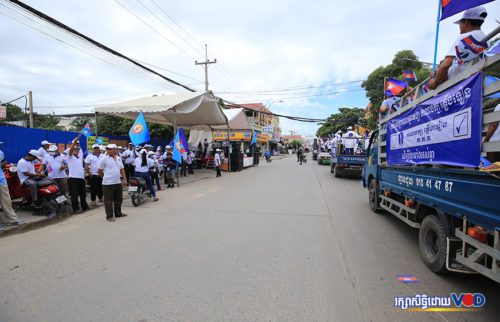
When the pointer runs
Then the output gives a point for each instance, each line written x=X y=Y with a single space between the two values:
x=17 y=141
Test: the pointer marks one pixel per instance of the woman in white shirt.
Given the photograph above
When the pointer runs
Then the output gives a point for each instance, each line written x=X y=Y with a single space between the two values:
x=142 y=165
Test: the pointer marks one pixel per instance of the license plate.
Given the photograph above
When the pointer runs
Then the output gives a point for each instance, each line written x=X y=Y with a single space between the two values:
x=132 y=189
x=61 y=199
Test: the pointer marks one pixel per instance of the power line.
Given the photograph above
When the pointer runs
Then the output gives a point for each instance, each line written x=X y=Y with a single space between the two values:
x=59 y=24
x=294 y=88
x=14 y=99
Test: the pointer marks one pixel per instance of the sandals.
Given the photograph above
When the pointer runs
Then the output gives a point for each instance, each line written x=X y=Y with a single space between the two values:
x=155 y=199
x=494 y=167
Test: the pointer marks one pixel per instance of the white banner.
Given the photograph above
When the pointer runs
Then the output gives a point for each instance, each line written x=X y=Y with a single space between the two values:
x=453 y=127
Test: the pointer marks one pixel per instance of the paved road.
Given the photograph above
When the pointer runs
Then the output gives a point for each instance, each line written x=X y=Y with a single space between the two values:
x=280 y=242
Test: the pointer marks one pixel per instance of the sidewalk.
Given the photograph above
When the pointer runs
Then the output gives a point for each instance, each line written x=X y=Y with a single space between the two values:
x=33 y=222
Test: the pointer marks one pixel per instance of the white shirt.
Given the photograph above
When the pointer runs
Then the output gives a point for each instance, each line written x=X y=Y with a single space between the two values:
x=140 y=168
x=111 y=168
x=43 y=153
x=496 y=135
x=217 y=160
x=458 y=48
x=53 y=165
x=349 y=139
x=23 y=166
x=129 y=156
x=93 y=161
x=75 y=166
x=80 y=152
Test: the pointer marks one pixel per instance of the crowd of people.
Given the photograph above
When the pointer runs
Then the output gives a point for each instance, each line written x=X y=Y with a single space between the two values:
x=349 y=143
x=106 y=169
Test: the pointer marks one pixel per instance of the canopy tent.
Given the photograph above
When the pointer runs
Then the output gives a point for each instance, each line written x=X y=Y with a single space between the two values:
x=237 y=120
x=189 y=110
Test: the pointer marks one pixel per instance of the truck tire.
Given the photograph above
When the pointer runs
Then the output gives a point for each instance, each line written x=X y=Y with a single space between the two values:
x=432 y=244
x=373 y=197
x=336 y=171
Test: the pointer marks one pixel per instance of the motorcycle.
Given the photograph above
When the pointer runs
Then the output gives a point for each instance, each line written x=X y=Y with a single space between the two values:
x=138 y=189
x=49 y=197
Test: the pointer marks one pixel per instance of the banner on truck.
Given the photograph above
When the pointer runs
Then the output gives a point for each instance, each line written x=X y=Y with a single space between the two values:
x=445 y=129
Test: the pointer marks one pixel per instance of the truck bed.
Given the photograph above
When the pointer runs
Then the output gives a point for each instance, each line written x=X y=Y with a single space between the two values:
x=457 y=192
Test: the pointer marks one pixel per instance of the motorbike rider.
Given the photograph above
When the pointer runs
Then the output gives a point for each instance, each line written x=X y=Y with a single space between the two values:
x=300 y=155
x=142 y=165
x=55 y=165
x=268 y=155
x=28 y=176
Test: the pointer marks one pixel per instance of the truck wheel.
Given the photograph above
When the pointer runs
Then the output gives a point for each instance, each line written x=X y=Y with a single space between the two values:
x=336 y=171
x=373 y=197
x=432 y=244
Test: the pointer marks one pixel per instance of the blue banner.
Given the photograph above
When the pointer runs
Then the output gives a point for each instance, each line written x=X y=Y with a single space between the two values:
x=445 y=129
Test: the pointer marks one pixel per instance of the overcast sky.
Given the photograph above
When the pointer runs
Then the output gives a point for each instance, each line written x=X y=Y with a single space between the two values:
x=259 y=45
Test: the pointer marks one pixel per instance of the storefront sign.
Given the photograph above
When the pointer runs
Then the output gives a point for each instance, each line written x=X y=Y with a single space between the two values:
x=91 y=140
x=233 y=135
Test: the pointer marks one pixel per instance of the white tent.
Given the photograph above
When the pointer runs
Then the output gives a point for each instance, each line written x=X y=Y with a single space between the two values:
x=189 y=110
x=237 y=120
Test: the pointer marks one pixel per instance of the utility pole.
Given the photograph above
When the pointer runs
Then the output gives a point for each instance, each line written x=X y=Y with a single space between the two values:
x=206 y=63
x=30 y=104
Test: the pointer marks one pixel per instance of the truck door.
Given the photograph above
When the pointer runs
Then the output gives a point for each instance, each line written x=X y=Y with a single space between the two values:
x=370 y=167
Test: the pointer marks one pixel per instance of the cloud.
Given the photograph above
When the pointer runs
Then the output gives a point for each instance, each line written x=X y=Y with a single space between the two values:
x=258 y=45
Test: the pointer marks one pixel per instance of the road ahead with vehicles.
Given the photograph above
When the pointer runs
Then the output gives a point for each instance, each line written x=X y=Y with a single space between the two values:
x=277 y=242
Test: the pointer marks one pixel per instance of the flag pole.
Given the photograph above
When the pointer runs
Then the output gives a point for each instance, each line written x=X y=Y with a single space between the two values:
x=177 y=167
x=437 y=35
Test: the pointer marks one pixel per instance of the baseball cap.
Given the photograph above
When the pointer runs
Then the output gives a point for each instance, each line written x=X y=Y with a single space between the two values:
x=477 y=13
x=52 y=148
x=45 y=142
x=158 y=148
x=150 y=153
x=34 y=153
x=111 y=146
x=102 y=147
x=349 y=128
x=95 y=146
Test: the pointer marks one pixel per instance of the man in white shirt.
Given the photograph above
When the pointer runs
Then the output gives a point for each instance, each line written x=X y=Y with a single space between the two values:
x=184 y=164
x=113 y=176
x=92 y=167
x=55 y=165
x=458 y=55
x=27 y=174
x=190 y=159
x=217 y=162
x=76 y=180
x=349 y=139
x=128 y=158
x=43 y=151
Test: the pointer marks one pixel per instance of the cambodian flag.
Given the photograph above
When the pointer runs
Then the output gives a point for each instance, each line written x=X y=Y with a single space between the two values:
x=425 y=88
x=86 y=130
x=474 y=45
x=407 y=279
x=410 y=75
x=452 y=7
x=394 y=86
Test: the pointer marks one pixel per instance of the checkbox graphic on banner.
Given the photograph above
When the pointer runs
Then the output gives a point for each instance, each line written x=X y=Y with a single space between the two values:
x=461 y=124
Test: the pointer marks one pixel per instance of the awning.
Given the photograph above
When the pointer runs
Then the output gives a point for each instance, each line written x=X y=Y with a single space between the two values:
x=192 y=110
x=237 y=120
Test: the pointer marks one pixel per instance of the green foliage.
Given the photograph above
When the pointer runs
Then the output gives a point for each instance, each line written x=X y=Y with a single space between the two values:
x=296 y=144
x=47 y=122
x=374 y=84
x=340 y=121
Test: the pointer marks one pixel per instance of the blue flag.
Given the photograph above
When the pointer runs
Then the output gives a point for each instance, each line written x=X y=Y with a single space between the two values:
x=394 y=86
x=99 y=141
x=452 y=7
x=139 y=133
x=254 y=138
x=183 y=139
x=178 y=148
x=86 y=130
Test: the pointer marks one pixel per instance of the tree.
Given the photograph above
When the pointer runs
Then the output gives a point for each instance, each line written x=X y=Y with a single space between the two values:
x=345 y=117
x=296 y=144
x=47 y=122
x=77 y=124
x=374 y=84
